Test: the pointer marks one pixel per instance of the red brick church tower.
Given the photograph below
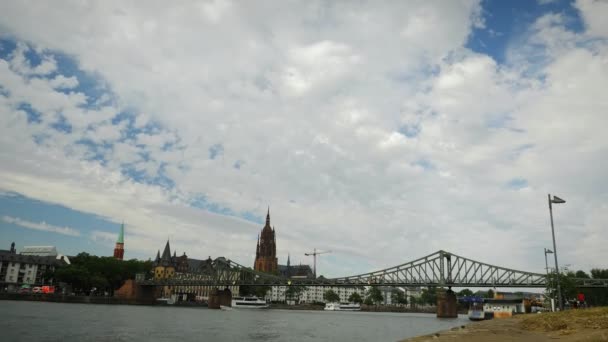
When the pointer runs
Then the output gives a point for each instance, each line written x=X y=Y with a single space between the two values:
x=119 y=249
x=266 y=252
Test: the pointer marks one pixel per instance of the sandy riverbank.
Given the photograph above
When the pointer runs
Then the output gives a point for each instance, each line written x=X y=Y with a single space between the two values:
x=572 y=325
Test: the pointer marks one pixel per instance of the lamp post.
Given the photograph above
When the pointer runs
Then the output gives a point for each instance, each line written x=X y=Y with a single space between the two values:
x=555 y=200
x=547 y=251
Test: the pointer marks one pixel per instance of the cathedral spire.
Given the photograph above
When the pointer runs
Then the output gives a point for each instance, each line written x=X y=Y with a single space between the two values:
x=268 y=217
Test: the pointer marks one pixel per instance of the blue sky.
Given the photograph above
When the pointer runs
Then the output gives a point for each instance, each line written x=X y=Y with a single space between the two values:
x=189 y=128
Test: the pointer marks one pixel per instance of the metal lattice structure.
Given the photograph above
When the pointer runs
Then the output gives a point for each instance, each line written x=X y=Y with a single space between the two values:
x=438 y=269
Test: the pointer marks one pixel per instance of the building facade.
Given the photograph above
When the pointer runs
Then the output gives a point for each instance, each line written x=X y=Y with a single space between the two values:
x=32 y=268
x=166 y=266
x=119 y=249
x=266 y=251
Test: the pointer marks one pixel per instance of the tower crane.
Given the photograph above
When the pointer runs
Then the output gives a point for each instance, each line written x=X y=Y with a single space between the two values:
x=314 y=255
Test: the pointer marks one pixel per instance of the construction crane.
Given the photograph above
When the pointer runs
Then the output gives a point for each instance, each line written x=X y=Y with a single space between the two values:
x=314 y=255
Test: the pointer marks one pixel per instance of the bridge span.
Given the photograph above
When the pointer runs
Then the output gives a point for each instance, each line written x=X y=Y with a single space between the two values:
x=441 y=269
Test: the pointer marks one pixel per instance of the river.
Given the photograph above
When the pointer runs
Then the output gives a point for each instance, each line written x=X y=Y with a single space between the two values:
x=43 y=321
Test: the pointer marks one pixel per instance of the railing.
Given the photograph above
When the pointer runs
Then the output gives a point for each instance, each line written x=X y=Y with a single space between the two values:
x=437 y=269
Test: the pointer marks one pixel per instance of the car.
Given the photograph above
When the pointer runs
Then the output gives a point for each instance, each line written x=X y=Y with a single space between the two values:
x=37 y=289
x=24 y=290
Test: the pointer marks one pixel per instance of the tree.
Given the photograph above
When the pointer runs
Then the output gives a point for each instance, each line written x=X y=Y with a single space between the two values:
x=261 y=291
x=465 y=293
x=330 y=296
x=582 y=274
x=413 y=301
x=355 y=297
x=375 y=295
x=597 y=273
x=398 y=297
x=490 y=293
x=294 y=292
x=429 y=296
x=103 y=273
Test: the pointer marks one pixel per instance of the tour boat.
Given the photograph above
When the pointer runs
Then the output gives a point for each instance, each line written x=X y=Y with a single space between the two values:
x=476 y=312
x=342 y=307
x=249 y=303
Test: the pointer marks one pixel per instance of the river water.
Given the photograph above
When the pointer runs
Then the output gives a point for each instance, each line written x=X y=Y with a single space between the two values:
x=41 y=321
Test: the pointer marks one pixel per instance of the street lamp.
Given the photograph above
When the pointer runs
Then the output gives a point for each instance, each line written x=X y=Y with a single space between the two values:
x=555 y=200
x=547 y=251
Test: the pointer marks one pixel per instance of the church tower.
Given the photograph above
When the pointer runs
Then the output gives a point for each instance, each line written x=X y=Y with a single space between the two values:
x=119 y=249
x=266 y=251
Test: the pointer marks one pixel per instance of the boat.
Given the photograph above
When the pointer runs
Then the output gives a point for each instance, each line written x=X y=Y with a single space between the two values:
x=249 y=303
x=342 y=307
x=476 y=312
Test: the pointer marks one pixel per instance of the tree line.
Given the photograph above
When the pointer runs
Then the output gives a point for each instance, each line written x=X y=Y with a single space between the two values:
x=92 y=274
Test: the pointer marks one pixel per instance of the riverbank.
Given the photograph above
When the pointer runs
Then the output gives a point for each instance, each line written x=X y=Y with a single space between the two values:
x=570 y=326
x=58 y=298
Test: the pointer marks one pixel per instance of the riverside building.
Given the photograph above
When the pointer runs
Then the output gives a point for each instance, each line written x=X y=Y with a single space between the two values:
x=32 y=266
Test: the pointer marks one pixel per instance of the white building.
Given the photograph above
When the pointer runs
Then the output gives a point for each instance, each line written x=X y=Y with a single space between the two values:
x=314 y=294
x=18 y=269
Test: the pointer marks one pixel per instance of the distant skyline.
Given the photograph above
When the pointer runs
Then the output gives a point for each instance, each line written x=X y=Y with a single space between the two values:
x=383 y=131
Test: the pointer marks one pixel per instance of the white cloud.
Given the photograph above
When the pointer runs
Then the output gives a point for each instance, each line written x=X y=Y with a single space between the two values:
x=42 y=226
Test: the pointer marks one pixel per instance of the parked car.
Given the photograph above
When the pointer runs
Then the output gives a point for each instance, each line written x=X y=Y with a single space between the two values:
x=24 y=290
x=37 y=289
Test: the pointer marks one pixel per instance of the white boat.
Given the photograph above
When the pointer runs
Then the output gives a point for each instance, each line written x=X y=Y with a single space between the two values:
x=248 y=303
x=342 y=307
x=476 y=312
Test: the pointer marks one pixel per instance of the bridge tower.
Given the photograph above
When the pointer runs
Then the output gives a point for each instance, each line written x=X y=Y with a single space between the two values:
x=447 y=306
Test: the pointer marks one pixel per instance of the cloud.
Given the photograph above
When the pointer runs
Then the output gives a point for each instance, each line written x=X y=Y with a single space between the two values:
x=42 y=226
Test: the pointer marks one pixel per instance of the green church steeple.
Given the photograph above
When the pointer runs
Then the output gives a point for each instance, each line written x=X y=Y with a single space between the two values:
x=121 y=235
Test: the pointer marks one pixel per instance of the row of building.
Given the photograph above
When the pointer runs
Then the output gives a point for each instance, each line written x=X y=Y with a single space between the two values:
x=167 y=266
x=33 y=266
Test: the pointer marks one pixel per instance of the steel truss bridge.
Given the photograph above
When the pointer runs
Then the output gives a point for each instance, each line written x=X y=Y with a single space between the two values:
x=437 y=269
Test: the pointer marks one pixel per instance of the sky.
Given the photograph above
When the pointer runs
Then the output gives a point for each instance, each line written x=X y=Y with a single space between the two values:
x=379 y=131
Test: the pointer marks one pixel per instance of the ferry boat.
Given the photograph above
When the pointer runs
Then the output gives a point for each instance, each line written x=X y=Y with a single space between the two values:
x=476 y=312
x=249 y=303
x=342 y=307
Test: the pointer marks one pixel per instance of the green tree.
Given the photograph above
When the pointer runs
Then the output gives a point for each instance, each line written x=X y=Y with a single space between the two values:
x=355 y=297
x=103 y=273
x=294 y=292
x=597 y=273
x=413 y=301
x=398 y=297
x=429 y=296
x=465 y=293
x=490 y=293
x=261 y=291
x=330 y=296
x=582 y=274
x=375 y=295
x=368 y=301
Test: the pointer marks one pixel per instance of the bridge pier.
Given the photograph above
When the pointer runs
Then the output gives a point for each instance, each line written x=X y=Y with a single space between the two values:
x=132 y=291
x=219 y=297
x=446 y=303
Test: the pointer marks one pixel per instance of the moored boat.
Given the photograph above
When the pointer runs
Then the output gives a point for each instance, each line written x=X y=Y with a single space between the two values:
x=476 y=312
x=249 y=303
x=342 y=307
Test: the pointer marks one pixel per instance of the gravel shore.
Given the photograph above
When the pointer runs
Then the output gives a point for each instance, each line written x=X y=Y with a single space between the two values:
x=572 y=325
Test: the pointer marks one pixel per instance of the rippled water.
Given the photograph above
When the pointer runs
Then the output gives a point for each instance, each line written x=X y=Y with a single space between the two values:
x=38 y=321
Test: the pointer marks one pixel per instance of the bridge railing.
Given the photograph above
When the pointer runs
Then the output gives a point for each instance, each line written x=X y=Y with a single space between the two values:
x=437 y=269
